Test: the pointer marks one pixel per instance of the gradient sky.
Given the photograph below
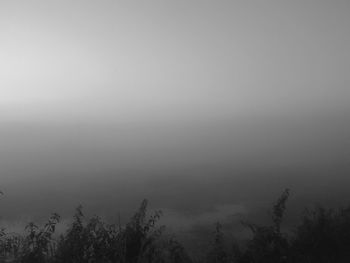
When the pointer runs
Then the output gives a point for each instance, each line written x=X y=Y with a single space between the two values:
x=196 y=105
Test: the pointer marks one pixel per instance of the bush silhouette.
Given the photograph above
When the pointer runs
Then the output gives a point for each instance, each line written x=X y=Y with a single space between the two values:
x=218 y=254
x=268 y=244
x=323 y=235
x=38 y=245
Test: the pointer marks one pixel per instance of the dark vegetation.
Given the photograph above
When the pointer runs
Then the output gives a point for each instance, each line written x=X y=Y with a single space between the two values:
x=323 y=235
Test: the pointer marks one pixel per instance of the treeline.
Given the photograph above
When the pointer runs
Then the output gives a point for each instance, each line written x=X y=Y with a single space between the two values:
x=323 y=235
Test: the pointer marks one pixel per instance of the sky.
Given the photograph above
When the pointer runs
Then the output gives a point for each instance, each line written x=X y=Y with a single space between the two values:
x=206 y=108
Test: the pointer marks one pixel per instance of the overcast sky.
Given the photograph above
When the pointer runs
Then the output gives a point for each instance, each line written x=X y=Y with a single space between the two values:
x=197 y=105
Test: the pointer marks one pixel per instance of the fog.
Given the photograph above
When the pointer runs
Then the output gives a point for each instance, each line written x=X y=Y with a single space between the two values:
x=206 y=109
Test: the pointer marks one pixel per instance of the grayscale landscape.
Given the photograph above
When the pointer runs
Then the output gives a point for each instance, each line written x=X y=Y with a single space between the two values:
x=174 y=131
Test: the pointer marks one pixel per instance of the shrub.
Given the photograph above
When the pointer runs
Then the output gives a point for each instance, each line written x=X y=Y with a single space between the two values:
x=218 y=254
x=268 y=244
x=322 y=236
x=38 y=246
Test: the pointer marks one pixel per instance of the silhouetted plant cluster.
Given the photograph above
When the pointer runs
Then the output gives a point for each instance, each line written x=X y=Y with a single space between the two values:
x=323 y=235
x=93 y=240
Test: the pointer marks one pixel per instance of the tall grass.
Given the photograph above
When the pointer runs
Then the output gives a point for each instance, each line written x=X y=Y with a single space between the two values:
x=323 y=235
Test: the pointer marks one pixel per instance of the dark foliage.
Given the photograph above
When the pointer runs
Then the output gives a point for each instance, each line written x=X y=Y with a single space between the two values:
x=218 y=253
x=38 y=245
x=323 y=235
x=268 y=244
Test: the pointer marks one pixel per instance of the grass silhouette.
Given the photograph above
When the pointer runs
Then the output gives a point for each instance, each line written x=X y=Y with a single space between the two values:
x=323 y=235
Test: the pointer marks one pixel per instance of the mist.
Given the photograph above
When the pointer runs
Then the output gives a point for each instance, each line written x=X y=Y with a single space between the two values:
x=207 y=109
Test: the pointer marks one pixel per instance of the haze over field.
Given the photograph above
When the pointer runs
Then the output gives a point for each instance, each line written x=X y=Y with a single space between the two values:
x=206 y=108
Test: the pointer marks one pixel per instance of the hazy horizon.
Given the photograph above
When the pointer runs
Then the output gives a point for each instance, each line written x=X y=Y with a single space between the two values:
x=206 y=108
